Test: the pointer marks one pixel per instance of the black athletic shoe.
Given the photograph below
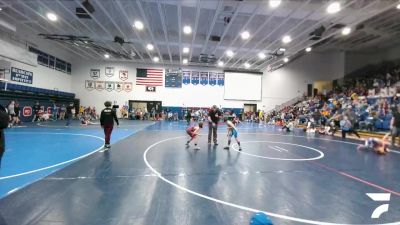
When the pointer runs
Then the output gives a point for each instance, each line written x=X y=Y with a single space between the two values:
x=107 y=146
x=215 y=143
x=240 y=148
x=226 y=147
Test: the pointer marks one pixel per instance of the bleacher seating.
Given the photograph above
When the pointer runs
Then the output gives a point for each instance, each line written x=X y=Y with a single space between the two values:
x=33 y=90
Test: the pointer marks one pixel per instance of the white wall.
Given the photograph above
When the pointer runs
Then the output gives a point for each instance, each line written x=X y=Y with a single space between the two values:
x=357 y=60
x=291 y=80
x=43 y=77
x=187 y=96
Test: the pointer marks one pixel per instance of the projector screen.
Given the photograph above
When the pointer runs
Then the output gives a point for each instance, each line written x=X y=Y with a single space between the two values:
x=242 y=86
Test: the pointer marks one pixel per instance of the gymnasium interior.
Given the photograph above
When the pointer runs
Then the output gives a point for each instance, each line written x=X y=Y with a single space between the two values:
x=199 y=112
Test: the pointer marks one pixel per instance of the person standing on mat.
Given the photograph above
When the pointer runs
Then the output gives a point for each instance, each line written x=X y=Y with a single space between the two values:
x=4 y=119
x=213 y=117
x=107 y=117
x=69 y=114
x=36 y=109
x=395 y=124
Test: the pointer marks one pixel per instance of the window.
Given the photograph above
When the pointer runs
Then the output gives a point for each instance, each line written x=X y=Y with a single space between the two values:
x=50 y=61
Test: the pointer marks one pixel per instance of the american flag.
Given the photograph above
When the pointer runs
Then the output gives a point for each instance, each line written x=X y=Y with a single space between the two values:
x=149 y=77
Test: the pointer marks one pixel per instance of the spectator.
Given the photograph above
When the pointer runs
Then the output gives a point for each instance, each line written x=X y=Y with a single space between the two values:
x=55 y=111
x=63 y=109
x=3 y=125
x=395 y=124
x=69 y=113
x=11 y=113
x=35 y=109
x=17 y=111
x=347 y=127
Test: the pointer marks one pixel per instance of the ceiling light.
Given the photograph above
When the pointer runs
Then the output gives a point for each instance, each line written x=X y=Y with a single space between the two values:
x=274 y=3
x=398 y=6
x=185 y=50
x=220 y=63
x=286 y=39
x=138 y=25
x=229 y=53
x=247 y=65
x=51 y=16
x=282 y=49
x=185 y=61
x=150 y=47
x=106 y=56
x=261 y=55
x=187 y=29
x=286 y=60
x=245 y=35
x=346 y=31
x=156 y=59
x=1 y=9
x=308 y=49
x=334 y=7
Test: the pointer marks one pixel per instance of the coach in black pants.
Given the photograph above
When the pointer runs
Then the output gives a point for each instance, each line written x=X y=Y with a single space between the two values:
x=3 y=125
x=213 y=117
x=107 y=117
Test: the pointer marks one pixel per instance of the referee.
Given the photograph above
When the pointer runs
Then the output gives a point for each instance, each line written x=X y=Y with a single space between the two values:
x=107 y=117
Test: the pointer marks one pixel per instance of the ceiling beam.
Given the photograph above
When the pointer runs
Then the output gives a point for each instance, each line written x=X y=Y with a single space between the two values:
x=140 y=40
x=230 y=24
x=86 y=27
x=100 y=4
x=45 y=29
x=288 y=17
x=310 y=29
x=165 y=30
x=368 y=16
x=180 y=30
x=196 y=23
x=212 y=25
x=147 y=24
x=251 y=36
x=63 y=21
x=67 y=48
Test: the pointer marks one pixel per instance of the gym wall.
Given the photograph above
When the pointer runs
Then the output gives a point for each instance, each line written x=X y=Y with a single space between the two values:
x=291 y=80
x=43 y=77
x=188 y=96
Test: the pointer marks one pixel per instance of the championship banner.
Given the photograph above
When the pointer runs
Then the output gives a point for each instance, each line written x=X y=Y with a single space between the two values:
x=123 y=75
x=150 y=89
x=204 y=78
x=89 y=85
x=212 y=78
x=109 y=86
x=127 y=86
x=119 y=86
x=186 y=77
x=100 y=85
x=109 y=72
x=221 y=79
x=173 y=79
x=95 y=73
x=195 y=78
x=21 y=76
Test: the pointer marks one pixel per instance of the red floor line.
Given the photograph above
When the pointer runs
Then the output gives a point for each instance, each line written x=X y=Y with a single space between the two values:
x=356 y=178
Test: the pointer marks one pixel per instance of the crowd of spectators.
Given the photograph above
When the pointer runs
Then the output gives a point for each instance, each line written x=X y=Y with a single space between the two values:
x=363 y=102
